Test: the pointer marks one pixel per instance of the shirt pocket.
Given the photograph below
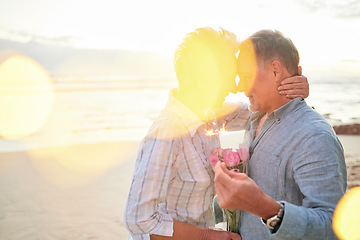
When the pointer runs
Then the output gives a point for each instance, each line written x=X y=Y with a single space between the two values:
x=264 y=170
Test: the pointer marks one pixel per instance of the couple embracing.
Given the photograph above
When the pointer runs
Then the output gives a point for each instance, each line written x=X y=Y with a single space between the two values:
x=296 y=168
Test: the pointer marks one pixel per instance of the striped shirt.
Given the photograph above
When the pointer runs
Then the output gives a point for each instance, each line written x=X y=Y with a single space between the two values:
x=172 y=179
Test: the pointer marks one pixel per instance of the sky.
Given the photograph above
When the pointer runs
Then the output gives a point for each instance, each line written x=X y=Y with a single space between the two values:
x=325 y=32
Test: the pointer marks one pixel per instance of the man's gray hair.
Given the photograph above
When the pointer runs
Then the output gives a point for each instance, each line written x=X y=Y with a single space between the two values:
x=272 y=45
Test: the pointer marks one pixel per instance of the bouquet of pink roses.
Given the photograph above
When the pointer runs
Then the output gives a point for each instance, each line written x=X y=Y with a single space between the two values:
x=235 y=162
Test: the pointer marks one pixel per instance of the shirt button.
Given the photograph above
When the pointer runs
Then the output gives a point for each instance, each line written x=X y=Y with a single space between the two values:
x=278 y=120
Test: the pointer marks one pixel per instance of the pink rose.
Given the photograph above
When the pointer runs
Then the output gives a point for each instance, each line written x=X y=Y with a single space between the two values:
x=213 y=159
x=226 y=151
x=231 y=159
x=217 y=152
x=243 y=153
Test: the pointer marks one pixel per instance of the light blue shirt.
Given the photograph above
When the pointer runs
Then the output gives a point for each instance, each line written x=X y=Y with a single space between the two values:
x=297 y=159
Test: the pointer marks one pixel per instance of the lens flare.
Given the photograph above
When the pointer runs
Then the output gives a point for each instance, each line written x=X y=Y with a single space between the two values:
x=206 y=68
x=347 y=215
x=25 y=97
x=76 y=165
x=247 y=66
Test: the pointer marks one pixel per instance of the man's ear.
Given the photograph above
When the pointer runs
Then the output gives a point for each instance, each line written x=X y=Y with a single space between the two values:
x=299 y=71
x=277 y=70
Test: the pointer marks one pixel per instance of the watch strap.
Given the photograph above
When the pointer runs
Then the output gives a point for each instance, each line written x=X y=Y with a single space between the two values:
x=274 y=222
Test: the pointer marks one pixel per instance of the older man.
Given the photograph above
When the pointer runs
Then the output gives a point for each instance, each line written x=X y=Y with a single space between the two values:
x=297 y=171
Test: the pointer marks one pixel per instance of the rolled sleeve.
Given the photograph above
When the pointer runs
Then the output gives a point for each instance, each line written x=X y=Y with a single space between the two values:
x=164 y=228
x=144 y=213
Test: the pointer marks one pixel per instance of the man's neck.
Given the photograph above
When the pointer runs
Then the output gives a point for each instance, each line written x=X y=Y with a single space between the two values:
x=261 y=123
x=278 y=100
x=278 y=104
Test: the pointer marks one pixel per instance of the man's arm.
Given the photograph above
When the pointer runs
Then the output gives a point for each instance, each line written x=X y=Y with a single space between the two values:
x=320 y=174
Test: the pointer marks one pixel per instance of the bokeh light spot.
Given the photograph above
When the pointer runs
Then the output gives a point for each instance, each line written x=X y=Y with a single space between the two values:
x=25 y=97
x=347 y=215
x=76 y=165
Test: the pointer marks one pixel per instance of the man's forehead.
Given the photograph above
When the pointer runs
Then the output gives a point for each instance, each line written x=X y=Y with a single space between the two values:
x=246 y=64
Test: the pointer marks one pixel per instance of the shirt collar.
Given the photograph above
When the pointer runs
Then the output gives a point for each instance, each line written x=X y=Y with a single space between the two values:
x=190 y=120
x=288 y=108
x=275 y=117
x=279 y=113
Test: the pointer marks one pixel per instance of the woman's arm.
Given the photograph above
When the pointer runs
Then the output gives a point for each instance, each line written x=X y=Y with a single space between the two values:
x=151 y=177
x=191 y=232
x=296 y=86
x=156 y=165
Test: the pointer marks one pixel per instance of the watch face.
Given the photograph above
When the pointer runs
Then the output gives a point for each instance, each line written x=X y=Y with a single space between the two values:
x=274 y=222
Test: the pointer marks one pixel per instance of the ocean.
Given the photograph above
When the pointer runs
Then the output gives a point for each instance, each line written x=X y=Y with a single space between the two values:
x=103 y=109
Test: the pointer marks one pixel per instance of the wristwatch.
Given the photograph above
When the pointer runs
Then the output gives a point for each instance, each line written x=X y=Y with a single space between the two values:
x=274 y=222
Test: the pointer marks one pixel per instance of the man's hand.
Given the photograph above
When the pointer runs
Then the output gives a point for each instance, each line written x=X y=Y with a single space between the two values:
x=296 y=86
x=238 y=191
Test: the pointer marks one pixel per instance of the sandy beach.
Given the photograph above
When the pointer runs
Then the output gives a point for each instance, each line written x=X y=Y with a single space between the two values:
x=44 y=197
x=79 y=192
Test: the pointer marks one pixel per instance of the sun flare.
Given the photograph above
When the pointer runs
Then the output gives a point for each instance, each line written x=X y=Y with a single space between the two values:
x=25 y=97
x=347 y=215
